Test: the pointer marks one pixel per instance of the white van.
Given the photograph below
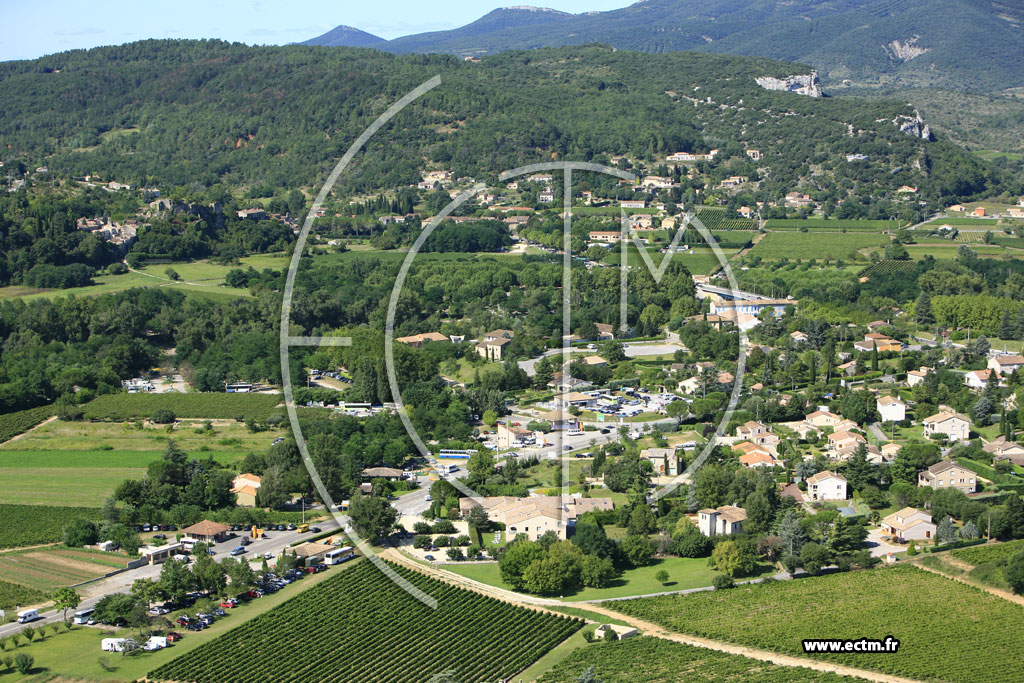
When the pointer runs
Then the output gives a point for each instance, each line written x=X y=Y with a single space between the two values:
x=27 y=615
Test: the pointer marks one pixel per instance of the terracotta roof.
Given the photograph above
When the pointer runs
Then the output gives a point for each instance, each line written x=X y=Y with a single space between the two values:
x=943 y=416
x=206 y=528
x=822 y=476
x=888 y=400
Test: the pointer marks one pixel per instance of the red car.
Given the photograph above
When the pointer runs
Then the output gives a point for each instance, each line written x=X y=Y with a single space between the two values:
x=173 y=637
x=229 y=603
x=183 y=619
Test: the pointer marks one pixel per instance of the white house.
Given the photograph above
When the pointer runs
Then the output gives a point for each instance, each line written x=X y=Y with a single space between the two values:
x=723 y=521
x=915 y=377
x=891 y=409
x=909 y=524
x=1005 y=365
x=977 y=379
x=826 y=486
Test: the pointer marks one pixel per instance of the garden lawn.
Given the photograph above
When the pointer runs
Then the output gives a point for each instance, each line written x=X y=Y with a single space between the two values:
x=924 y=611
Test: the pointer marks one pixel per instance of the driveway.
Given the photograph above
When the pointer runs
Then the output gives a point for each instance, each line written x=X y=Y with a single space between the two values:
x=878 y=547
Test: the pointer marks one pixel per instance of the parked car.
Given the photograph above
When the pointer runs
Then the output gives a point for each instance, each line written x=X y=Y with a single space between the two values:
x=229 y=603
x=238 y=550
x=291 y=527
x=429 y=557
x=162 y=537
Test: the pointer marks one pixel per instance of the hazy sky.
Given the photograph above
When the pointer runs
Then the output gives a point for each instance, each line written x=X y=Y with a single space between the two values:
x=33 y=29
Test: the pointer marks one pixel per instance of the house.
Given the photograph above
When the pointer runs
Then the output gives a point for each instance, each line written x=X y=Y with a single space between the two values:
x=245 y=487
x=657 y=182
x=1001 y=449
x=515 y=437
x=560 y=422
x=875 y=325
x=604 y=331
x=754 y=154
x=690 y=156
x=752 y=455
x=690 y=386
x=633 y=203
x=745 y=212
x=822 y=418
x=157 y=554
x=389 y=473
x=207 y=531
x=535 y=515
x=977 y=379
x=567 y=383
x=948 y=423
x=751 y=307
x=979 y=212
x=546 y=197
x=252 y=214
x=797 y=200
x=948 y=474
x=311 y=552
x=607 y=236
x=798 y=337
x=665 y=461
x=492 y=350
x=495 y=335
x=878 y=341
x=908 y=524
x=1005 y=365
x=573 y=398
x=826 y=486
x=889 y=450
x=734 y=181
x=417 y=340
x=722 y=521
x=907 y=189
x=759 y=434
x=891 y=409
x=915 y=377
x=849 y=369
x=843 y=444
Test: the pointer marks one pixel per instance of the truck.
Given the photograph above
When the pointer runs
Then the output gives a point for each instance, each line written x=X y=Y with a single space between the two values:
x=27 y=615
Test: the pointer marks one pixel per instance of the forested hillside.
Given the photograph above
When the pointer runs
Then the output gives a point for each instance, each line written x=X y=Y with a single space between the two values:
x=192 y=114
x=915 y=42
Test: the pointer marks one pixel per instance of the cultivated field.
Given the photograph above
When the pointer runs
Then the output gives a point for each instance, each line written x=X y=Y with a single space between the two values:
x=825 y=224
x=700 y=261
x=211 y=406
x=25 y=525
x=47 y=569
x=816 y=245
x=83 y=486
x=652 y=659
x=12 y=595
x=924 y=611
x=982 y=554
x=358 y=626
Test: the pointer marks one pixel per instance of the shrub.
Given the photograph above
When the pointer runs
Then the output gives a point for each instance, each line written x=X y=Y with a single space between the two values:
x=444 y=526
x=24 y=663
x=163 y=417
x=462 y=539
x=911 y=549
x=722 y=581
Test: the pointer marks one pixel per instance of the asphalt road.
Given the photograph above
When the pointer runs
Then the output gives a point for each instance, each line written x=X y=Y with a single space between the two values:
x=272 y=542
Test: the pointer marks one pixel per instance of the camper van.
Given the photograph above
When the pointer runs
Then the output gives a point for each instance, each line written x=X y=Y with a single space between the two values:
x=117 y=644
x=27 y=615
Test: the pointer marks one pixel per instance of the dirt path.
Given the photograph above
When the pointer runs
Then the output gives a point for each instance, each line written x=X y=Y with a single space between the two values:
x=31 y=429
x=1005 y=595
x=645 y=627
x=743 y=252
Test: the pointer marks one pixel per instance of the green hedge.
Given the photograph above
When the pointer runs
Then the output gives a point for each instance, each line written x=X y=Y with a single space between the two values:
x=13 y=424
x=121 y=407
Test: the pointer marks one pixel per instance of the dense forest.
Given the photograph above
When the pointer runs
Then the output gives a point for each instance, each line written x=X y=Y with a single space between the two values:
x=205 y=113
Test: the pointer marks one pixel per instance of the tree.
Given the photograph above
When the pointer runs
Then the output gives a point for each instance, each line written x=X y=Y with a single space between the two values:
x=372 y=517
x=79 y=532
x=588 y=676
x=661 y=577
x=543 y=576
x=1014 y=572
x=858 y=470
x=516 y=558
x=946 y=531
x=24 y=662
x=726 y=558
x=596 y=572
x=642 y=521
x=592 y=540
x=489 y=417
x=64 y=599
x=209 y=575
x=923 y=310
x=969 y=531
x=481 y=465
x=175 y=581
x=678 y=410
x=792 y=533
x=478 y=519
x=146 y=590
x=240 y=575
x=759 y=513
x=982 y=410
x=638 y=550
x=814 y=557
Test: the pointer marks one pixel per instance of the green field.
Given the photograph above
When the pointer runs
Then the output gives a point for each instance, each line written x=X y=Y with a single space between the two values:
x=360 y=626
x=197 y=277
x=925 y=612
x=644 y=658
x=700 y=262
x=213 y=406
x=811 y=245
x=684 y=573
x=948 y=250
x=826 y=224
x=25 y=525
x=84 y=486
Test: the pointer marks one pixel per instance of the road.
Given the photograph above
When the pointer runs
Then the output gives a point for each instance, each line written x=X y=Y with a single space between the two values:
x=273 y=542
x=633 y=350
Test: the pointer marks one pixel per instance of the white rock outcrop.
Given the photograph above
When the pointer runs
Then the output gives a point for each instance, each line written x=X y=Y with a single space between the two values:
x=801 y=84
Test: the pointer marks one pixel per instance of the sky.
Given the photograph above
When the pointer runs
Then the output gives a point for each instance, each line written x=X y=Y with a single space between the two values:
x=34 y=29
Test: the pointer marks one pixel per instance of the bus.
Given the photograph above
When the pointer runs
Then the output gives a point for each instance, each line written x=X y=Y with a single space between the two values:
x=339 y=555
x=83 y=616
x=453 y=453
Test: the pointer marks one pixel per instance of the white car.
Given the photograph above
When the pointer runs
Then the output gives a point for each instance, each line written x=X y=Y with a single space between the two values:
x=268 y=556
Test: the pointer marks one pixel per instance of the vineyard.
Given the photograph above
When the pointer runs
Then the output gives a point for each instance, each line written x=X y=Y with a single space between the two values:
x=984 y=554
x=359 y=626
x=716 y=219
x=11 y=595
x=830 y=224
x=120 y=407
x=35 y=524
x=886 y=267
x=925 y=612
x=653 y=659
x=816 y=245
x=13 y=424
